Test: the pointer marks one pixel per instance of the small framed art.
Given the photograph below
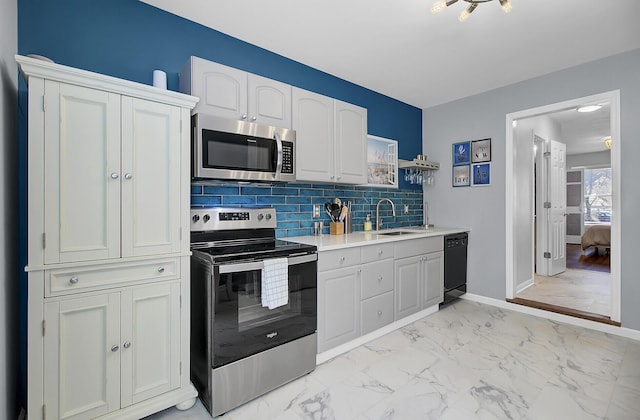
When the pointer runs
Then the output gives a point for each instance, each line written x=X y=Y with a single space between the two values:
x=481 y=151
x=461 y=153
x=461 y=176
x=481 y=174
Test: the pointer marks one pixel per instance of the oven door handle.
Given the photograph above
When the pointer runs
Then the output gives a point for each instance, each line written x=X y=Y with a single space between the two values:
x=257 y=265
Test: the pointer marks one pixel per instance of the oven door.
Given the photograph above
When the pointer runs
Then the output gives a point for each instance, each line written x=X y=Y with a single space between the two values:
x=242 y=326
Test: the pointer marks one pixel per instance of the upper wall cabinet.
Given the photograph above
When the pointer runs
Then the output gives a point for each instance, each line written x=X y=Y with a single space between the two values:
x=331 y=139
x=236 y=94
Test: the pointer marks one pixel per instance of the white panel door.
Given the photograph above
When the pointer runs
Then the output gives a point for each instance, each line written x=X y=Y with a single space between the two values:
x=408 y=275
x=269 y=101
x=82 y=174
x=82 y=357
x=222 y=90
x=338 y=307
x=557 y=212
x=351 y=143
x=314 y=125
x=433 y=291
x=150 y=178
x=150 y=341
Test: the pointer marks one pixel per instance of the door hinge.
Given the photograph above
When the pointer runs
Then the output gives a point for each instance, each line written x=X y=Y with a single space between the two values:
x=547 y=255
x=44 y=240
x=547 y=204
x=547 y=155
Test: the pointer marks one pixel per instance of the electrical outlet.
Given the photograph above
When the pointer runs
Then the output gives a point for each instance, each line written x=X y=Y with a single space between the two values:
x=316 y=211
x=406 y=209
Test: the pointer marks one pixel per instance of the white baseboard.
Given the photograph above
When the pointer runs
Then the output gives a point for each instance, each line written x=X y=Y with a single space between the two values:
x=343 y=348
x=579 y=322
x=524 y=286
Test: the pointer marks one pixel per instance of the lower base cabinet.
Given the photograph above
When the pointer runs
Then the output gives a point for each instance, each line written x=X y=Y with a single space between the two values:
x=338 y=307
x=104 y=352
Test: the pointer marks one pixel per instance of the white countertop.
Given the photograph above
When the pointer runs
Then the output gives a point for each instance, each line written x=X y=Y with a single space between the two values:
x=327 y=242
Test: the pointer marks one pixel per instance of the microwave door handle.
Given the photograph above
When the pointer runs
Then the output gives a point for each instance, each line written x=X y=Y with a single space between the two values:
x=278 y=156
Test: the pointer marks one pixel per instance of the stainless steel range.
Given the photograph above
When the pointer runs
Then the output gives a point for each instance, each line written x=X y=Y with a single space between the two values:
x=253 y=306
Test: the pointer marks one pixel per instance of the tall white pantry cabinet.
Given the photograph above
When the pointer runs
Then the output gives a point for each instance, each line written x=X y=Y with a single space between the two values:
x=108 y=245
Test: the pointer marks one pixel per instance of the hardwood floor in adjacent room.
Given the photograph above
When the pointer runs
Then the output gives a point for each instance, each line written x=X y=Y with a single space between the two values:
x=593 y=259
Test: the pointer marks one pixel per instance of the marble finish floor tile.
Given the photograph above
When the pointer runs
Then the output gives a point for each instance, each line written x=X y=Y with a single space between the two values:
x=467 y=361
x=584 y=290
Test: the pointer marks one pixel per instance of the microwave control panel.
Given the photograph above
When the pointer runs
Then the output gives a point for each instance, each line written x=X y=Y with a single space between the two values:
x=287 y=157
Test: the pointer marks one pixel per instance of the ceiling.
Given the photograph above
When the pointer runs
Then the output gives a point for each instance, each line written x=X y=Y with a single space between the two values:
x=583 y=132
x=398 y=48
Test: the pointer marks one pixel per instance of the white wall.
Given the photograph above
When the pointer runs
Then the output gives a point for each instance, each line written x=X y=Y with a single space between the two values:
x=483 y=208
x=8 y=259
x=590 y=160
x=546 y=128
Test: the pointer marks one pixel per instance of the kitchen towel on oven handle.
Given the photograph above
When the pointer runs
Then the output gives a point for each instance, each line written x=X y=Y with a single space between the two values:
x=275 y=282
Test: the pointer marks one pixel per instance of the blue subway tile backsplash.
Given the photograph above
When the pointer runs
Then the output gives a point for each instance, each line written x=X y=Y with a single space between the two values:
x=294 y=203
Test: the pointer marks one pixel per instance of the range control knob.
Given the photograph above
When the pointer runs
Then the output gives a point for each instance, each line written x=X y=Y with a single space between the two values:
x=268 y=216
x=206 y=218
x=195 y=218
x=260 y=216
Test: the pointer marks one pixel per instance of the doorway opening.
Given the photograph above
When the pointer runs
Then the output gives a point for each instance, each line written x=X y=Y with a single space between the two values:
x=555 y=200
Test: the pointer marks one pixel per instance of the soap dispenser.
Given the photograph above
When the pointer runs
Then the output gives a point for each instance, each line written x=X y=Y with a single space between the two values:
x=367 y=223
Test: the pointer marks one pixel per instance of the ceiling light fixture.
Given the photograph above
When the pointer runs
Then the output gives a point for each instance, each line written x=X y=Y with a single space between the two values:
x=589 y=108
x=607 y=142
x=440 y=5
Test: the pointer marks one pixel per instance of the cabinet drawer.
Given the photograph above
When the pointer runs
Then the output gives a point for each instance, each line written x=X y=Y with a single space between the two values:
x=377 y=278
x=377 y=252
x=377 y=312
x=412 y=247
x=330 y=260
x=80 y=279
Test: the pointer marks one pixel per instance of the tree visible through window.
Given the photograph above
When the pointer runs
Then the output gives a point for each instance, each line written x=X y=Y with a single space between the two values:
x=597 y=195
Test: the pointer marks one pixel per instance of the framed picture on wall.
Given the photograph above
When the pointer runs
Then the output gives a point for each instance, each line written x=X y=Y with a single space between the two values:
x=461 y=153
x=481 y=174
x=382 y=162
x=460 y=176
x=481 y=151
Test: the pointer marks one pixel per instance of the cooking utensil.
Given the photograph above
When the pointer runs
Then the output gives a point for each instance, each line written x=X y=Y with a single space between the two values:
x=327 y=209
x=343 y=213
x=337 y=201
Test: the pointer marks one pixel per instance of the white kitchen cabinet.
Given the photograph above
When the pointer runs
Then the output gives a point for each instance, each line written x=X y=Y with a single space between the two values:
x=338 y=307
x=433 y=279
x=408 y=273
x=110 y=350
x=331 y=139
x=108 y=246
x=231 y=93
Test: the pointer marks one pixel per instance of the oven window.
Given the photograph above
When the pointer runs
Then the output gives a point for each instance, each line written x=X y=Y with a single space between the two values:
x=239 y=152
x=242 y=326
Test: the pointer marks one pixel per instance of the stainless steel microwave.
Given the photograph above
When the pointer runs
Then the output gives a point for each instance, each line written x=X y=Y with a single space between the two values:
x=241 y=151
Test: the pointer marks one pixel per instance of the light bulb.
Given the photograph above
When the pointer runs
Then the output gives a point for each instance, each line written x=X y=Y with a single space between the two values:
x=589 y=108
x=464 y=15
x=506 y=5
x=438 y=6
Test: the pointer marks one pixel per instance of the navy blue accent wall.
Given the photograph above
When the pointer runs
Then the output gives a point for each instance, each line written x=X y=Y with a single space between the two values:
x=129 y=39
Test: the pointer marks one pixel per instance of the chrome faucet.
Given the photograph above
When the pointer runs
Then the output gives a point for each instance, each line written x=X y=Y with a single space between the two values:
x=378 y=219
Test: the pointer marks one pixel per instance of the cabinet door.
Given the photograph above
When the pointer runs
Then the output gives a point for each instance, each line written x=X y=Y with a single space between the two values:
x=222 y=90
x=81 y=174
x=338 y=307
x=150 y=178
x=314 y=125
x=269 y=101
x=351 y=143
x=433 y=281
x=82 y=357
x=408 y=273
x=150 y=341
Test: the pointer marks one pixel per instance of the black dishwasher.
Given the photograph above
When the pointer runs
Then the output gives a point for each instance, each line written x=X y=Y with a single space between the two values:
x=455 y=266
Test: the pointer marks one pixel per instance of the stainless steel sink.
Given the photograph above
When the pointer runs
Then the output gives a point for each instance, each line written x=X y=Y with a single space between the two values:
x=397 y=232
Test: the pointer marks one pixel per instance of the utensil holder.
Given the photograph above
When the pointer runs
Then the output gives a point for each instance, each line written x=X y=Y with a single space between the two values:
x=336 y=228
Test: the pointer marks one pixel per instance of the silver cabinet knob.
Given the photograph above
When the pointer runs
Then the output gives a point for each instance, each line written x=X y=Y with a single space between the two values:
x=160 y=269
x=380 y=252
x=254 y=118
x=128 y=176
x=115 y=348
x=341 y=259
x=114 y=175
x=244 y=117
x=339 y=176
x=126 y=344
x=73 y=280
x=379 y=313
x=380 y=279
x=333 y=177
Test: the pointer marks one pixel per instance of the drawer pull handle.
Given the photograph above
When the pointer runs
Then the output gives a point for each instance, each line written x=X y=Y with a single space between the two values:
x=380 y=278
x=73 y=280
x=341 y=259
x=115 y=348
x=379 y=313
x=114 y=175
x=126 y=344
x=380 y=252
x=128 y=176
x=160 y=269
